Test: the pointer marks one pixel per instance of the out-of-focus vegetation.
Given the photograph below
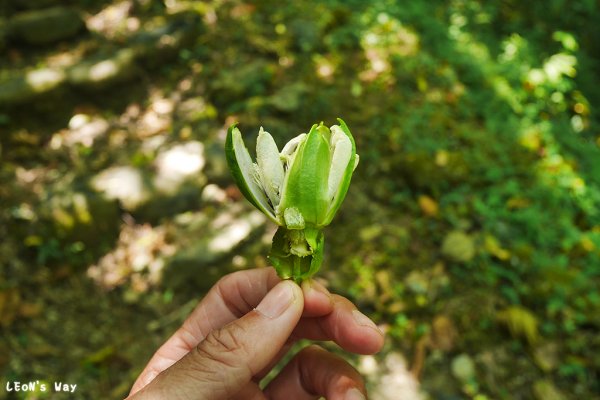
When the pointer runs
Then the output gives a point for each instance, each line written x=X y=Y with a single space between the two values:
x=471 y=232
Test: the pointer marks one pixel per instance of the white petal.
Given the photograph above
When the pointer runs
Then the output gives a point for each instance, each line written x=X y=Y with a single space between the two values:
x=270 y=166
x=342 y=152
x=290 y=147
x=247 y=169
x=336 y=134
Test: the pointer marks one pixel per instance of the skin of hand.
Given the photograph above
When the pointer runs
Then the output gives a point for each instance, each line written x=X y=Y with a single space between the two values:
x=242 y=328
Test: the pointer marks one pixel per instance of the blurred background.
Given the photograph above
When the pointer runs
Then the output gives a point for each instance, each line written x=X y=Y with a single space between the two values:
x=471 y=232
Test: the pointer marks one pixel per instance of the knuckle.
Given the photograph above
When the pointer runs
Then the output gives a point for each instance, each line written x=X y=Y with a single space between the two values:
x=220 y=361
x=224 y=281
x=309 y=352
x=223 y=347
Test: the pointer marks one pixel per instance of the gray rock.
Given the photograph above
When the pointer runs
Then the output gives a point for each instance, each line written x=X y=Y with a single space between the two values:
x=123 y=183
x=18 y=89
x=100 y=72
x=389 y=375
x=204 y=238
x=458 y=246
x=463 y=368
x=156 y=45
x=207 y=240
x=45 y=26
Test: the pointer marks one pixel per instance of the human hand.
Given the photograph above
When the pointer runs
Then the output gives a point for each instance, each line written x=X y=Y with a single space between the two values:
x=242 y=328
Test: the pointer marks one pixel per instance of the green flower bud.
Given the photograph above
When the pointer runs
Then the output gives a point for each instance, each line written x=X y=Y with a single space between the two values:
x=300 y=189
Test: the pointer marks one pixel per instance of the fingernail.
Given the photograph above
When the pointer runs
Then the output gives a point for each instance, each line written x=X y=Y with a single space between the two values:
x=317 y=289
x=277 y=300
x=354 y=394
x=363 y=320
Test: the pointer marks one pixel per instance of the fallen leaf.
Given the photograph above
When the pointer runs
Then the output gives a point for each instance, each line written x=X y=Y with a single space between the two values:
x=521 y=323
x=492 y=245
x=428 y=206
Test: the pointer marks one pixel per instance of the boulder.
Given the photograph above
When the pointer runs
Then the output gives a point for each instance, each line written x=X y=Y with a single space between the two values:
x=46 y=25
x=123 y=183
x=21 y=88
x=205 y=238
x=157 y=44
x=98 y=72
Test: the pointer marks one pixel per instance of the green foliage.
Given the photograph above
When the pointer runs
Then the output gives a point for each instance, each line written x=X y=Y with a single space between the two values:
x=477 y=200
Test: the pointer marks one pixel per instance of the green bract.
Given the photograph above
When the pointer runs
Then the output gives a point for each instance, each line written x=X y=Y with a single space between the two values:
x=300 y=189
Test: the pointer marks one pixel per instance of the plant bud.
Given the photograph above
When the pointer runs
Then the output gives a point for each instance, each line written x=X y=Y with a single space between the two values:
x=300 y=189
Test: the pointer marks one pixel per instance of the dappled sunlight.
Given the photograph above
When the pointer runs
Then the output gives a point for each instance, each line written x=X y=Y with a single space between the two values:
x=384 y=40
x=103 y=70
x=44 y=79
x=391 y=377
x=93 y=71
x=233 y=232
x=115 y=20
x=138 y=258
x=155 y=119
x=178 y=163
x=470 y=235
x=124 y=183
x=549 y=91
x=324 y=67
x=83 y=129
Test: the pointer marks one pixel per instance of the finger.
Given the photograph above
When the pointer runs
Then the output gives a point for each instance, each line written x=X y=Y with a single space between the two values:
x=315 y=372
x=282 y=352
x=233 y=296
x=317 y=302
x=227 y=359
x=249 y=392
x=345 y=325
x=317 y=299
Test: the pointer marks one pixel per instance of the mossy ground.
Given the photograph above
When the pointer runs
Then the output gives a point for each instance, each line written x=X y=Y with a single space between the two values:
x=471 y=231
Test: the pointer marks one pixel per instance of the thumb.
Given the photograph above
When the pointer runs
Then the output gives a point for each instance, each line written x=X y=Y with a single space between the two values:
x=227 y=359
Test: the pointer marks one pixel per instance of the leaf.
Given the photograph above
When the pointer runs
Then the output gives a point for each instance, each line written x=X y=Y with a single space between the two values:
x=428 y=205
x=492 y=245
x=521 y=323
